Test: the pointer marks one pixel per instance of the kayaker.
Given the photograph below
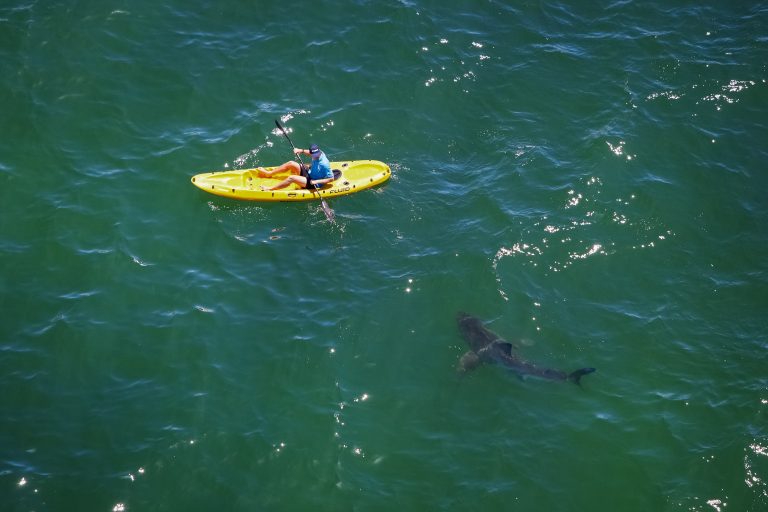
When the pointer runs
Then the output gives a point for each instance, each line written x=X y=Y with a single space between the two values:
x=318 y=174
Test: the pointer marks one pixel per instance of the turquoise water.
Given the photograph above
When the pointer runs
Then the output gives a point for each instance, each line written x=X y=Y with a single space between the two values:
x=588 y=178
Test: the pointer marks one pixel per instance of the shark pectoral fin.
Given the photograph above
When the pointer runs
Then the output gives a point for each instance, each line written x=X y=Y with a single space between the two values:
x=468 y=361
x=578 y=374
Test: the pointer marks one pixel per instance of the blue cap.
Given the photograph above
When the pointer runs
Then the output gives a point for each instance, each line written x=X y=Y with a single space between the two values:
x=314 y=150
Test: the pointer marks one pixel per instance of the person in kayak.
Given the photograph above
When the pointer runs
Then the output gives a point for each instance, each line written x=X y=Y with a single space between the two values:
x=318 y=174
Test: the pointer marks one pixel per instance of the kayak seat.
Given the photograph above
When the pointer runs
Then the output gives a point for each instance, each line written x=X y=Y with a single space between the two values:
x=336 y=174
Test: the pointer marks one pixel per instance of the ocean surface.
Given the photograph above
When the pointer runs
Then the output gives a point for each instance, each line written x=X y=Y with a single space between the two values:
x=588 y=178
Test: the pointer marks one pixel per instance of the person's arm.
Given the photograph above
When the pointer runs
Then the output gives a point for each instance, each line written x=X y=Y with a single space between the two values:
x=299 y=150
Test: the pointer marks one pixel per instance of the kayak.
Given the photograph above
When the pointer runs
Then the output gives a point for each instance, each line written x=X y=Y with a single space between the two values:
x=349 y=177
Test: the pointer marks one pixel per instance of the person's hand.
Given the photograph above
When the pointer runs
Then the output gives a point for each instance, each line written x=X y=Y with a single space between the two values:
x=297 y=151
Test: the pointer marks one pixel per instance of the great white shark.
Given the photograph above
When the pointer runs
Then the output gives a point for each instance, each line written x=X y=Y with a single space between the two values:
x=487 y=347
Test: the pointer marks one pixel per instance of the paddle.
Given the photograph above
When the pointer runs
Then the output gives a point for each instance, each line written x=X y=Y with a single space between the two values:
x=326 y=209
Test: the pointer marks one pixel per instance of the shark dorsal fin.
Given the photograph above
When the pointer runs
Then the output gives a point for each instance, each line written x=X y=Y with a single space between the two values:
x=505 y=347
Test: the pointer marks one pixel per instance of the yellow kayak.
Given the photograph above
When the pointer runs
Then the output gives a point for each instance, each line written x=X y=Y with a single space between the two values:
x=350 y=177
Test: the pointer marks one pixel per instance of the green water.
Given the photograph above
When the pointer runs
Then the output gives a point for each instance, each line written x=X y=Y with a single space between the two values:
x=588 y=178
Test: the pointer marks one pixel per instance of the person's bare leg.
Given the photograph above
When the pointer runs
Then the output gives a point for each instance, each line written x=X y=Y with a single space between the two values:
x=294 y=167
x=301 y=181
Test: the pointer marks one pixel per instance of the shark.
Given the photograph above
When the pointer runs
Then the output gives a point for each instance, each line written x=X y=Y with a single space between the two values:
x=486 y=346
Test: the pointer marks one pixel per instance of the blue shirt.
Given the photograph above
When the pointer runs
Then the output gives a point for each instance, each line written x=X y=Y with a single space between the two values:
x=321 y=168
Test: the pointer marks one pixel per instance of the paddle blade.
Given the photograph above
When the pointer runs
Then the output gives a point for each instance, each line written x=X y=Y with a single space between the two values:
x=327 y=210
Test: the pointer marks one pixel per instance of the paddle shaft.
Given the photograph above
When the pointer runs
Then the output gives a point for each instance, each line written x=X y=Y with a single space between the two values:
x=326 y=209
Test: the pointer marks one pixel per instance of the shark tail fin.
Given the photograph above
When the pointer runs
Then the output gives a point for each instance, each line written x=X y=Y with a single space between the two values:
x=578 y=374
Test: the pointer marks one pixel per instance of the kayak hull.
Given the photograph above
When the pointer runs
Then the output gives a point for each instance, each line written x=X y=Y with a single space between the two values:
x=245 y=184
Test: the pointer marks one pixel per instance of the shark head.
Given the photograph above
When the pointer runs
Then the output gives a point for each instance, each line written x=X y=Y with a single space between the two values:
x=474 y=332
